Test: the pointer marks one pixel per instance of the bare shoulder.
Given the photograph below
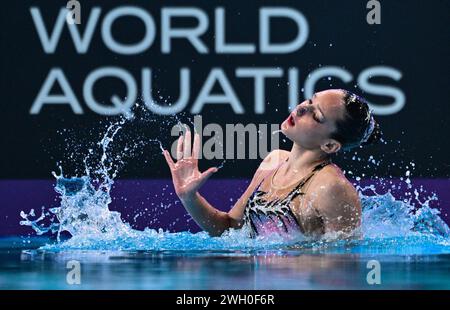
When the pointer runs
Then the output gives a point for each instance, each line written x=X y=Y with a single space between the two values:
x=277 y=154
x=332 y=180
x=269 y=164
x=274 y=158
x=336 y=198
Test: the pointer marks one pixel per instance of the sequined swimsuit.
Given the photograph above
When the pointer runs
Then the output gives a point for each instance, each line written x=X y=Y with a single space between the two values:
x=265 y=217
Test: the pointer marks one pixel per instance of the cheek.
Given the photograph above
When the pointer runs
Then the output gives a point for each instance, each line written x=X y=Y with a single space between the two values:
x=310 y=126
x=313 y=131
x=306 y=133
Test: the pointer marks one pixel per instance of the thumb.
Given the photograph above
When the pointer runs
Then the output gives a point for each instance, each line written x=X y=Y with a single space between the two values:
x=206 y=174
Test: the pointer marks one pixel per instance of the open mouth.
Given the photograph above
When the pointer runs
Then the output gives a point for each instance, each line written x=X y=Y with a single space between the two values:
x=291 y=120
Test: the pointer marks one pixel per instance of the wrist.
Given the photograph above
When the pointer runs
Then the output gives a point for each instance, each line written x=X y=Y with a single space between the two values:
x=189 y=197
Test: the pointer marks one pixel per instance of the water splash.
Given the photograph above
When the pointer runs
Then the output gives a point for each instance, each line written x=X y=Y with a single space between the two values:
x=388 y=225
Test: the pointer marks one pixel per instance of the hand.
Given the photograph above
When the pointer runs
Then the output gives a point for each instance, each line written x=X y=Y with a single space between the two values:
x=186 y=177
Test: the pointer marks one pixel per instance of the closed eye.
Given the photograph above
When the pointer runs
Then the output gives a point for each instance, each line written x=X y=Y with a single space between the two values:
x=314 y=115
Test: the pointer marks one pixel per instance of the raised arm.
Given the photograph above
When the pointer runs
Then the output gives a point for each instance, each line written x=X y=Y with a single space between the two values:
x=187 y=180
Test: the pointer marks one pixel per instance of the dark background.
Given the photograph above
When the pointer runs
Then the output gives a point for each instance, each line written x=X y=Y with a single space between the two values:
x=413 y=38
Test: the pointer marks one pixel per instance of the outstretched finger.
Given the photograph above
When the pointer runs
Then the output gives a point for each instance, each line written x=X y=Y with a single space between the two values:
x=180 y=148
x=187 y=144
x=196 y=148
x=169 y=159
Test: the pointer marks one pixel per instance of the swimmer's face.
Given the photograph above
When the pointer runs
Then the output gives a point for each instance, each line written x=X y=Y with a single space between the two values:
x=313 y=121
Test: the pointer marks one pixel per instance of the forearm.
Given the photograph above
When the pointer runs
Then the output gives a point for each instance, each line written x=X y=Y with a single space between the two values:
x=213 y=221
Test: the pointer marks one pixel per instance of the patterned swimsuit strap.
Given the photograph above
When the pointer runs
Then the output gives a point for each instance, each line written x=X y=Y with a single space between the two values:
x=302 y=181
x=296 y=190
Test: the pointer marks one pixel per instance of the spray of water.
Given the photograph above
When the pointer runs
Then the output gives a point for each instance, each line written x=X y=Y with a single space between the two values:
x=389 y=224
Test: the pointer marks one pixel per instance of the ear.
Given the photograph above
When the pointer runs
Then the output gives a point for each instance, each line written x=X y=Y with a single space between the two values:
x=331 y=146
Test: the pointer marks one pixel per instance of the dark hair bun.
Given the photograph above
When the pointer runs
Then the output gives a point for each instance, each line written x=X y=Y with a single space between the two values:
x=375 y=136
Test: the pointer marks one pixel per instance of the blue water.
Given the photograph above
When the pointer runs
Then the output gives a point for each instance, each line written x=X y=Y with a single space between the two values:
x=303 y=268
x=407 y=237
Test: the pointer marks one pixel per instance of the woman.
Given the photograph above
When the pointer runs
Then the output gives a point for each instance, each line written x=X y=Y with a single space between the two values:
x=300 y=191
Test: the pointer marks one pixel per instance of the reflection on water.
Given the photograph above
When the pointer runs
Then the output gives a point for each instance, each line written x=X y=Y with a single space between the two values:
x=278 y=269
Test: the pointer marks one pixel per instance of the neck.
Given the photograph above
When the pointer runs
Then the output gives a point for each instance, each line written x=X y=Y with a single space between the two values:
x=301 y=159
